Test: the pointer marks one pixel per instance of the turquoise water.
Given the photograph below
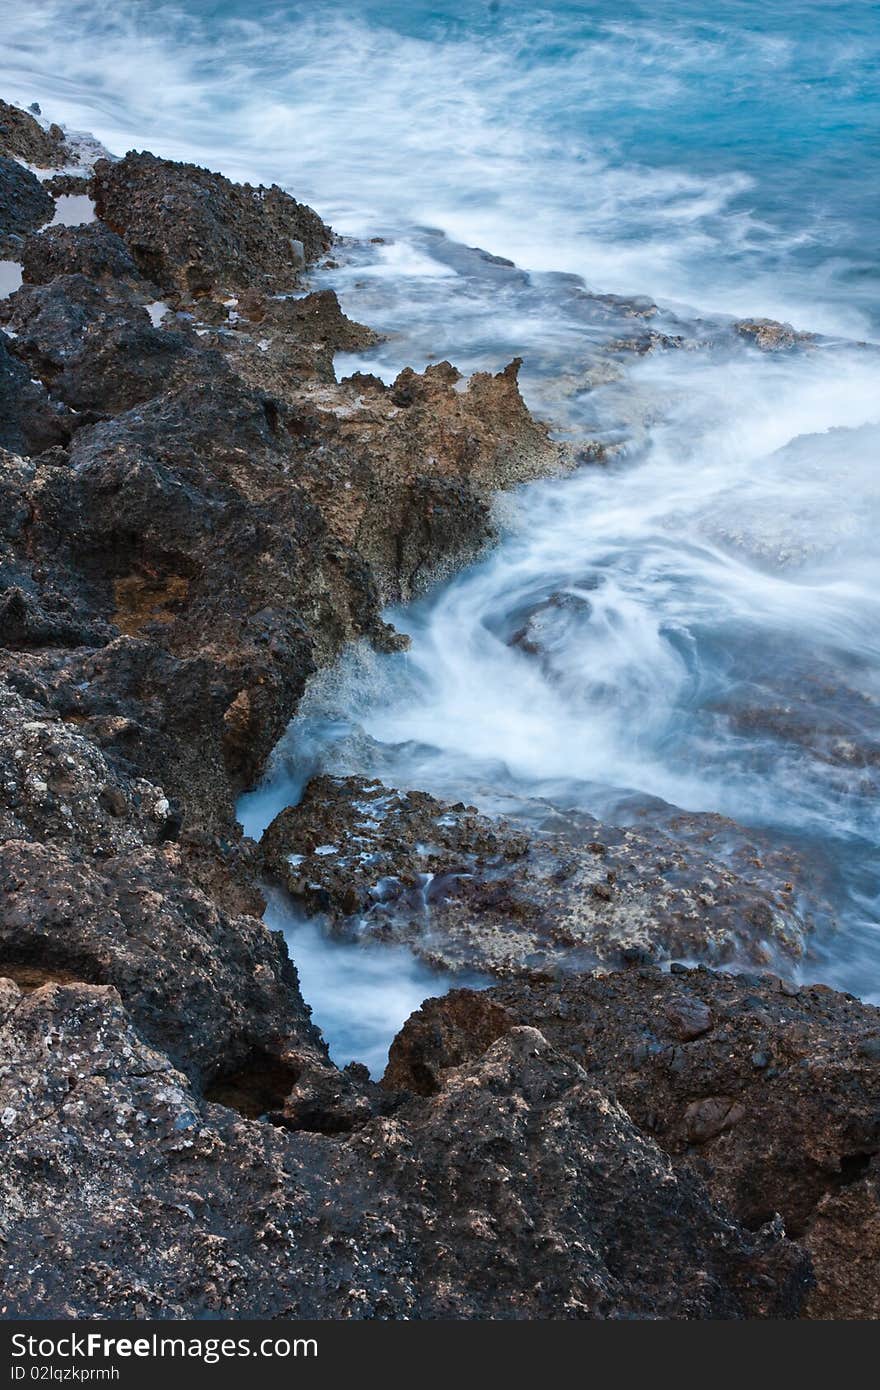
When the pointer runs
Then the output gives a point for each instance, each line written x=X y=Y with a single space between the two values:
x=727 y=156
x=723 y=161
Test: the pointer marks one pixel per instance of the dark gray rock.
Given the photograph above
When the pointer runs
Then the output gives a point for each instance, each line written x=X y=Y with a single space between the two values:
x=519 y=1191
x=196 y=232
x=24 y=205
x=91 y=250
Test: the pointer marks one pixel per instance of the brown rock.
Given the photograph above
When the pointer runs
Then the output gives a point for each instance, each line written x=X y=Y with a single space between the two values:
x=798 y=1135
x=467 y=893
x=196 y=232
x=519 y=1191
x=22 y=137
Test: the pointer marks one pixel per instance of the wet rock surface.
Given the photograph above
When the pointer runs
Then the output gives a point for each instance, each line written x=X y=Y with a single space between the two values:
x=467 y=893
x=769 y=336
x=195 y=516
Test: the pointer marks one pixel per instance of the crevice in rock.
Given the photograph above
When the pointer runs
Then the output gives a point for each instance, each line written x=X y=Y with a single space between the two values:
x=46 y=964
x=256 y=1088
x=33 y=977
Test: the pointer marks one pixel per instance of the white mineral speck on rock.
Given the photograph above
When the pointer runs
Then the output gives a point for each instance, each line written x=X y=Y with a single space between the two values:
x=7 y=1119
x=157 y=311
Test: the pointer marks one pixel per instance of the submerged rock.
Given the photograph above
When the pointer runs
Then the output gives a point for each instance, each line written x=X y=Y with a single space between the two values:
x=467 y=893
x=770 y=336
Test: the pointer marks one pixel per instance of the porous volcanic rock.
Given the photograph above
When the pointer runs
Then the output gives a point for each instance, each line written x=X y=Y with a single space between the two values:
x=282 y=342
x=469 y=894
x=215 y=992
x=22 y=137
x=95 y=349
x=90 y=249
x=124 y=1194
x=769 y=1092
x=234 y=540
x=59 y=786
x=410 y=470
x=30 y=421
x=193 y=231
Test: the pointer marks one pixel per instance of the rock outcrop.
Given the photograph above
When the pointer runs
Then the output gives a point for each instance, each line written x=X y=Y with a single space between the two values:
x=22 y=137
x=24 y=205
x=195 y=516
x=518 y=1191
x=468 y=893
x=196 y=232
x=766 y=1091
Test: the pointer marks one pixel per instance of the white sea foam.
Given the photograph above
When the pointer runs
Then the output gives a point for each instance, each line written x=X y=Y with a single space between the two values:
x=361 y=997
x=157 y=309
x=727 y=552
x=380 y=128
x=10 y=278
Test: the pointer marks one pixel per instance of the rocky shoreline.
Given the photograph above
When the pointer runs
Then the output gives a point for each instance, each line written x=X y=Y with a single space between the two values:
x=196 y=517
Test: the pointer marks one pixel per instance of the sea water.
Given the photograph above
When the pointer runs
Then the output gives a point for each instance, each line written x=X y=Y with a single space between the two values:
x=721 y=162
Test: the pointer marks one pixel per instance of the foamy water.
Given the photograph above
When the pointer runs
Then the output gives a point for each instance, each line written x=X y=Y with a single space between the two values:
x=716 y=646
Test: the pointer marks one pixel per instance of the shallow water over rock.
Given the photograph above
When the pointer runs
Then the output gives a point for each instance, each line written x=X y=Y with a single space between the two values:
x=690 y=621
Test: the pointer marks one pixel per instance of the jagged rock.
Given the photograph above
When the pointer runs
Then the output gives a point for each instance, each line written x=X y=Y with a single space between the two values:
x=95 y=348
x=410 y=470
x=468 y=894
x=29 y=420
x=217 y=993
x=91 y=250
x=195 y=232
x=59 y=787
x=444 y=1033
x=237 y=541
x=24 y=205
x=77 y=184
x=770 y=336
x=774 y=1103
x=122 y=1188
x=22 y=137
x=284 y=343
